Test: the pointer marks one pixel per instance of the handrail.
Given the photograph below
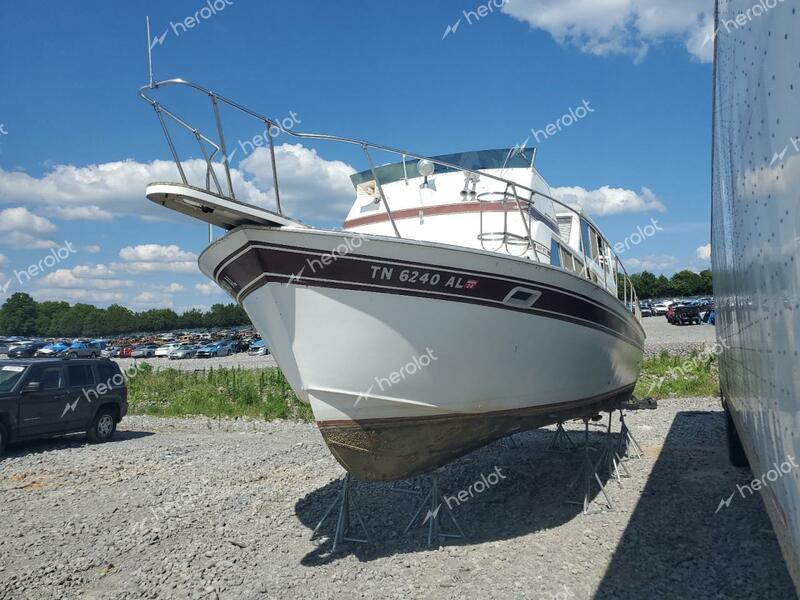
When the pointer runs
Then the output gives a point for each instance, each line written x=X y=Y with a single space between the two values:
x=365 y=145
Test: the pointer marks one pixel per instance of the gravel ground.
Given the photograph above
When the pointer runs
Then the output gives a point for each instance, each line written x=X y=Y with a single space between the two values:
x=676 y=339
x=193 y=508
x=242 y=360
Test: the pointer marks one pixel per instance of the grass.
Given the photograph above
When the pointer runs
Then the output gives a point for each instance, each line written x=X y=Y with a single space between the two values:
x=263 y=394
x=670 y=376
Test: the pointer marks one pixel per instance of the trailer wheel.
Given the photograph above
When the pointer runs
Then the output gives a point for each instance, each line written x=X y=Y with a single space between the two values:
x=736 y=453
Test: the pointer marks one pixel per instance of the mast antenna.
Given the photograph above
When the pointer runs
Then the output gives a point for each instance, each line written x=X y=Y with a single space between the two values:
x=149 y=52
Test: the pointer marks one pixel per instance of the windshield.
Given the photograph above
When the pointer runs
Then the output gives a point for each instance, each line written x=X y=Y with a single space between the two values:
x=9 y=375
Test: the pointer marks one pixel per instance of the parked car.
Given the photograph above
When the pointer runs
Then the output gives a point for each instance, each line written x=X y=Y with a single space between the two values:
x=51 y=350
x=215 y=350
x=27 y=350
x=166 y=349
x=109 y=352
x=686 y=315
x=258 y=348
x=144 y=351
x=646 y=308
x=125 y=352
x=45 y=398
x=660 y=308
x=183 y=351
x=82 y=350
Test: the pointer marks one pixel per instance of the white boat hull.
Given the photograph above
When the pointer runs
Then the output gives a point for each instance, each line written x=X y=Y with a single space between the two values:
x=412 y=354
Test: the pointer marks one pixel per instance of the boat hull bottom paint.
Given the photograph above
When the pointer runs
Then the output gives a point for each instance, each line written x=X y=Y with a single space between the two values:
x=401 y=448
x=412 y=354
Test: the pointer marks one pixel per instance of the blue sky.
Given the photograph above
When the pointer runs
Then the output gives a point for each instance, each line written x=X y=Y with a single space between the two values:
x=77 y=145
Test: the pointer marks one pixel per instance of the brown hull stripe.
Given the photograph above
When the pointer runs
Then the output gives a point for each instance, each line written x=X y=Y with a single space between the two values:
x=554 y=408
x=462 y=208
x=259 y=264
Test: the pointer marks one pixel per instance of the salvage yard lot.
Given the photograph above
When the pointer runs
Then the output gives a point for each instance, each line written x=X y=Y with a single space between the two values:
x=191 y=508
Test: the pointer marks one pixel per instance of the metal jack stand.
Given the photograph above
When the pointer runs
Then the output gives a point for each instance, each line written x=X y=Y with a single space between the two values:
x=557 y=444
x=435 y=501
x=588 y=472
x=610 y=457
x=509 y=442
x=626 y=440
x=343 y=519
x=407 y=486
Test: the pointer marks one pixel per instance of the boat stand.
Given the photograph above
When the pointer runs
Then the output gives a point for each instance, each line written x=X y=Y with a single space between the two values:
x=626 y=440
x=407 y=486
x=557 y=444
x=588 y=473
x=343 y=520
x=437 y=504
x=610 y=459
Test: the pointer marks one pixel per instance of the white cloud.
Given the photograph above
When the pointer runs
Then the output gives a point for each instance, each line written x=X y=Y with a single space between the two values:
x=79 y=295
x=155 y=253
x=26 y=240
x=84 y=213
x=153 y=299
x=175 y=288
x=20 y=227
x=3 y=260
x=153 y=267
x=704 y=252
x=149 y=258
x=650 y=263
x=92 y=249
x=311 y=187
x=610 y=201
x=66 y=278
x=604 y=27
x=208 y=289
x=97 y=271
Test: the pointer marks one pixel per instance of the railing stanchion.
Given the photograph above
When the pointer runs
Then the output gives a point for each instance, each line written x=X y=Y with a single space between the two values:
x=210 y=173
x=157 y=108
x=525 y=223
x=218 y=119
x=380 y=189
x=274 y=167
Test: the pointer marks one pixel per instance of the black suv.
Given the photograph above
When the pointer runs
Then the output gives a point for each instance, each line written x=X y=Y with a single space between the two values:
x=43 y=398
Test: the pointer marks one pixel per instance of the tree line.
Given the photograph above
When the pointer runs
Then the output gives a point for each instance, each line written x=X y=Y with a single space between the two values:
x=22 y=315
x=681 y=284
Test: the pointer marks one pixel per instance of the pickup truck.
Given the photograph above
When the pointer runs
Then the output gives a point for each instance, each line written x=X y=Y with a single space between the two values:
x=686 y=315
x=52 y=397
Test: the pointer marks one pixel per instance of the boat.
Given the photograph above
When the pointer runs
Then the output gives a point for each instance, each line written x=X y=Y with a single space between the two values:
x=755 y=229
x=459 y=303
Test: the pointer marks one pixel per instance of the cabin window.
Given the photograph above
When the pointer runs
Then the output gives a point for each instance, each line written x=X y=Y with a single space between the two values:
x=565 y=228
x=555 y=254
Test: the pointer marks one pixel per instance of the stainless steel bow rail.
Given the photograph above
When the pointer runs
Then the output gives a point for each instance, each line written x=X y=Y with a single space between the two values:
x=211 y=149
